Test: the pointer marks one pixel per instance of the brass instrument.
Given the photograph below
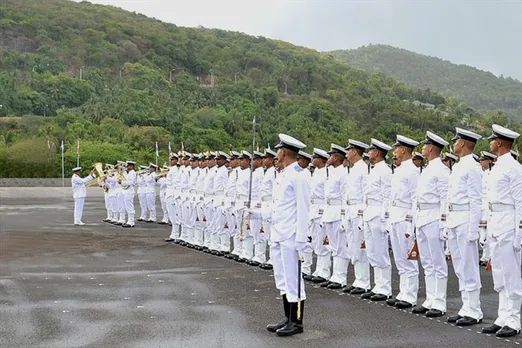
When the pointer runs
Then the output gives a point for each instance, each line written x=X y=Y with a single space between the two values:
x=162 y=172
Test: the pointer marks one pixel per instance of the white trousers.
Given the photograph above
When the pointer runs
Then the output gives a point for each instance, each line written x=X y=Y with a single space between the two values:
x=401 y=236
x=323 y=266
x=151 y=205
x=121 y=208
x=286 y=275
x=78 y=209
x=464 y=256
x=376 y=240
x=338 y=244
x=113 y=207
x=163 y=201
x=505 y=265
x=142 y=200
x=128 y=200
x=433 y=261
x=361 y=266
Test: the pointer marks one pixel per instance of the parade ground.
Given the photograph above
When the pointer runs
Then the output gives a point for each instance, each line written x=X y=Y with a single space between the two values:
x=65 y=286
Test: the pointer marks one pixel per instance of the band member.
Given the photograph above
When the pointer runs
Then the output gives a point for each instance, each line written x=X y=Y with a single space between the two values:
x=505 y=232
x=80 y=192
x=150 y=182
x=162 y=183
x=170 y=196
x=128 y=193
x=141 y=183
x=463 y=217
x=289 y=235
x=430 y=215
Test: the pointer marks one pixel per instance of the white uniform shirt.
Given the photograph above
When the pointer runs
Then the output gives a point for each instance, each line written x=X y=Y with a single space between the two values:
x=485 y=207
x=162 y=183
x=150 y=182
x=334 y=192
x=130 y=182
x=317 y=199
x=209 y=184
x=220 y=184
x=257 y=179
x=403 y=188
x=377 y=192
x=432 y=190
x=356 y=182
x=267 y=184
x=78 y=185
x=465 y=187
x=141 y=183
x=505 y=188
x=172 y=181
x=291 y=202
x=230 y=190
x=242 y=188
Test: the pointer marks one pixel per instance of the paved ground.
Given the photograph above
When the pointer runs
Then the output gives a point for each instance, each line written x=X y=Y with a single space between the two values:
x=103 y=286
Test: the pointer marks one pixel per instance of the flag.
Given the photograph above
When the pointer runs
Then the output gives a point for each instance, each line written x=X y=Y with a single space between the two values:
x=61 y=146
x=78 y=148
x=157 y=149
x=170 y=149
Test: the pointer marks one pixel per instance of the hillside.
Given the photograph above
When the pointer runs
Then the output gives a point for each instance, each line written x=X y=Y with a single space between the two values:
x=120 y=82
x=480 y=89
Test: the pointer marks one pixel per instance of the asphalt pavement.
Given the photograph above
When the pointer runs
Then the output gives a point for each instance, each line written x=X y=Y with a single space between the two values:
x=103 y=286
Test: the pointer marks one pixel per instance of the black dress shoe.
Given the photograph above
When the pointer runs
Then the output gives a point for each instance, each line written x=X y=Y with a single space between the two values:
x=391 y=301
x=358 y=291
x=483 y=263
x=125 y=226
x=334 y=286
x=348 y=288
x=403 y=304
x=275 y=327
x=169 y=240
x=229 y=256
x=118 y=224
x=491 y=329
x=454 y=318
x=419 y=310
x=140 y=219
x=161 y=223
x=241 y=260
x=318 y=280
x=434 y=313
x=290 y=329
x=220 y=253
x=266 y=266
x=380 y=298
x=506 y=331
x=106 y=220
x=325 y=284
x=254 y=263
x=177 y=241
x=368 y=295
x=467 y=321
x=307 y=277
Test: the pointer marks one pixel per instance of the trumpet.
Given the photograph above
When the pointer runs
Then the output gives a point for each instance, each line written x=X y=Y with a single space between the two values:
x=162 y=172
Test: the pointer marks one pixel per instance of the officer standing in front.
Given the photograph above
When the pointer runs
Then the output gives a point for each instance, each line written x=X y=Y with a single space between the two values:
x=289 y=235
x=505 y=232
x=79 y=193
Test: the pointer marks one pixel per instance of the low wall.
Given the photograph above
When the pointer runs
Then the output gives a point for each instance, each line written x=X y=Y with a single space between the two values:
x=35 y=182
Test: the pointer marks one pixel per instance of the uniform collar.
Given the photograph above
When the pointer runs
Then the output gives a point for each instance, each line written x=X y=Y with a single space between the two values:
x=435 y=161
x=504 y=158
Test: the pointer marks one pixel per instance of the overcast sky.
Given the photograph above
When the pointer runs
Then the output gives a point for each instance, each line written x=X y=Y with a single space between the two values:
x=484 y=34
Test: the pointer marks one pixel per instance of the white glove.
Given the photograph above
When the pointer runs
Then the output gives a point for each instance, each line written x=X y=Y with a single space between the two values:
x=473 y=236
x=482 y=237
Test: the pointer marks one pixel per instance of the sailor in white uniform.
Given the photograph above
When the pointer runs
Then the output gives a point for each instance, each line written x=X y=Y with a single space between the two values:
x=230 y=205
x=162 y=183
x=430 y=216
x=170 y=196
x=289 y=235
x=267 y=189
x=150 y=195
x=141 y=184
x=463 y=218
x=505 y=232
x=403 y=190
x=487 y=161
x=303 y=160
x=128 y=193
x=80 y=192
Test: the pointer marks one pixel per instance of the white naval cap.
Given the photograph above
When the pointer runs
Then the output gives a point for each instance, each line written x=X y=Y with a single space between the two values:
x=174 y=155
x=153 y=165
x=195 y=157
x=165 y=166
x=258 y=155
x=131 y=162
x=355 y=144
x=334 y=148
x=366 y=156
x=465 y=135
x=144 y=167
x=75 y=169
x=288 y=142
x=449 y=155
x=434 y=139
x=503 y=133
x=108 y=165
x=379 y=145
x=485 y=155
x=234 y=154
x=222 y=154
x=418 y=155
x=515 y=154
x=475 y=157
x=318 y=153
x=270 y=153
x=405 y=141
x=302 y=154
x=245 y=154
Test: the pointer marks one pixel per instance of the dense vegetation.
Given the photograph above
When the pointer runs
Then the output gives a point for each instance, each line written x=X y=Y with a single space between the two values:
x=480 y=89
x=129 y=97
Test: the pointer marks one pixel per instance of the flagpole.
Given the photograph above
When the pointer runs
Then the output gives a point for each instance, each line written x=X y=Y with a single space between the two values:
x=78 y=154
x=252 y=161
x=63 y=168
x=157 y=153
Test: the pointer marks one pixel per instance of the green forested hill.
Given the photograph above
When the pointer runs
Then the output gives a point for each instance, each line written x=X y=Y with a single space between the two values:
x=129 y=96
x=480 y=89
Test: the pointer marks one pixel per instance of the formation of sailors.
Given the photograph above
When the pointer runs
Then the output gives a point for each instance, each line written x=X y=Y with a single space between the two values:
x=357 y=206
